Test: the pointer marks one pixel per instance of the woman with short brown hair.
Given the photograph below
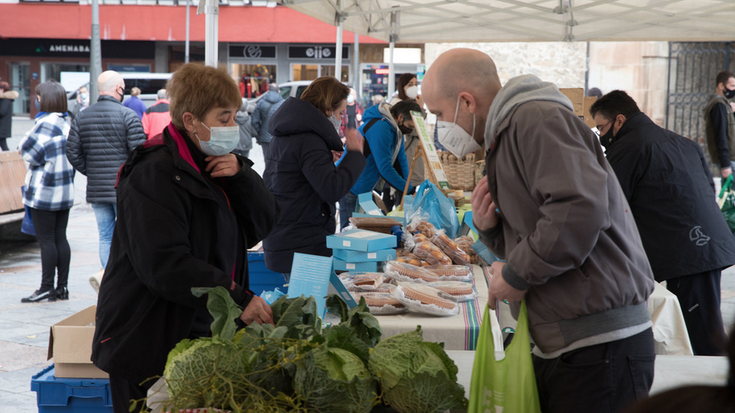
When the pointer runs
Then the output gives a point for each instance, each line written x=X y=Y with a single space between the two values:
x=301 y=172
x=188 y=209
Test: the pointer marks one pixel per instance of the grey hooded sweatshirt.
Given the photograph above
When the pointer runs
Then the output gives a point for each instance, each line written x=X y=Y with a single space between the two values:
x=566 y=230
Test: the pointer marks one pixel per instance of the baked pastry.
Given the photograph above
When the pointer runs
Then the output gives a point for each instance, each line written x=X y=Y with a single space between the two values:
x=454 y=288
x=402 y=271
x=465 y=243
x=365 y=280
x=451 y=249
x=423 y=298
x=452 y=272
x=424 y=227
x=432 y=254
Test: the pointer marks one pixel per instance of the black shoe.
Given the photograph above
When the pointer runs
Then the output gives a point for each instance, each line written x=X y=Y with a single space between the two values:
x=39 y=295
x=62 y=293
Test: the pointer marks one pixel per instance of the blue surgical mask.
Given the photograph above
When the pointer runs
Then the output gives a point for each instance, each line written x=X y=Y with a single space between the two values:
x=38 y=105
x=222 y=140
x=336 y=122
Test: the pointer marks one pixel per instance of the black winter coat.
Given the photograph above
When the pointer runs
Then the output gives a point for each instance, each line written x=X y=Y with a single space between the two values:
x=101 y=138
x=301 y=174
x=6 y=113
x=175 y=230
x=671 y=193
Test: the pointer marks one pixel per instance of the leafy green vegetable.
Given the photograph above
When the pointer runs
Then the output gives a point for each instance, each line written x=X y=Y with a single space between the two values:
x=223 y=308
x=298 y=314
x=359 y=320
x=416 y=377
x=197 y=373
x=332 y=380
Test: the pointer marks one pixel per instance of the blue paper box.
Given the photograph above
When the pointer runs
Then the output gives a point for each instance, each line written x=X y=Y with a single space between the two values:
x=340 y=265
x=363 y=256
x=361 y=240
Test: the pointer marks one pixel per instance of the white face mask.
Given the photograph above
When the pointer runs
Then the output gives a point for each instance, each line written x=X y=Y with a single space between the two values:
x=412 y=92
x=222 y=140
x=455 y=138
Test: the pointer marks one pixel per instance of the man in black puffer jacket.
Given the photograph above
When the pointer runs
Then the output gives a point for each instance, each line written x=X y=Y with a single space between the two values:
x=100 y=140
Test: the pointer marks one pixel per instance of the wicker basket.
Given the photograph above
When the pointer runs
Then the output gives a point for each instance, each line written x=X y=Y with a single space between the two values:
x=460 y=172
x=479 y=171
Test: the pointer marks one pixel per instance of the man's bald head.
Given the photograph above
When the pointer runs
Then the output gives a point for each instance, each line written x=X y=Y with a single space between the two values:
x=108 y=83
x=460 y=70
x=460 y=87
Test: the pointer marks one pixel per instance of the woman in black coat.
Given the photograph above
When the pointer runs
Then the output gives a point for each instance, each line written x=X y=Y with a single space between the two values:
x=301 y=173
x=187 y=212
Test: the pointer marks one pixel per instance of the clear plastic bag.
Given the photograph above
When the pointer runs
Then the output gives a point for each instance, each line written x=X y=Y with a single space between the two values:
x=450 y=248
x=383 y=303
x=427 y=300
x=452 y=272
x=401 y=271
x=462 y=291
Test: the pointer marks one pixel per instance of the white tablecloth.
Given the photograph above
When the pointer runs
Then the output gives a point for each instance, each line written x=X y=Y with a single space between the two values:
x=669 y=329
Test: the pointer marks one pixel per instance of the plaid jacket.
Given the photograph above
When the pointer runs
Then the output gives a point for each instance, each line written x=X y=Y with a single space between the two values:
x=50 y=178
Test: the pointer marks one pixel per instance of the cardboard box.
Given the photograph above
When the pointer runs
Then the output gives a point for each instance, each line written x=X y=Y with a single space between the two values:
x=370 y=266
x=581 y=104
x=361 y=240
x=70 y=344
x=362 y=256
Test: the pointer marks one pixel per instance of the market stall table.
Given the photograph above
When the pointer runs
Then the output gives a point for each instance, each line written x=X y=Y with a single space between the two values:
x=457 y=332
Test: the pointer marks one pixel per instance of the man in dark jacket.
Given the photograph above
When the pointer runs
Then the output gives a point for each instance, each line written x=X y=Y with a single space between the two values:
x=100 y=140
x=6 y=113
x=720 y=123
x=266 y=107
x=670 y=190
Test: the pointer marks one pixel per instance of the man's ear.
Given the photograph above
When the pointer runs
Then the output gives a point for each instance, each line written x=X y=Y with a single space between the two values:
x=469 y=101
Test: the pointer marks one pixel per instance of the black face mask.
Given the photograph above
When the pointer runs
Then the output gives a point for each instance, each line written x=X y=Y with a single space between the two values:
x=729 y=93
x=607 y=139
x=405 y=129
x=122 y=95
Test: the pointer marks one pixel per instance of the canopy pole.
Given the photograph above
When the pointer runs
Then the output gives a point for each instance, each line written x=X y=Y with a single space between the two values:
x=95 y=64
x=211 y=43
x=186 y=51
x=394 y=23
x=356 y=77
x=338 y=52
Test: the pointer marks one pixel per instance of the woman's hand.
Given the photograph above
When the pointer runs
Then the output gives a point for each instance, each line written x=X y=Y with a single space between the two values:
x=336 y=155
x=354 y=140
x=222 y=166
x=258 y=311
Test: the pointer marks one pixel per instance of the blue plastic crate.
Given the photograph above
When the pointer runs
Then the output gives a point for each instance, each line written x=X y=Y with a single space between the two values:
x=261 y=278
x=71 y=395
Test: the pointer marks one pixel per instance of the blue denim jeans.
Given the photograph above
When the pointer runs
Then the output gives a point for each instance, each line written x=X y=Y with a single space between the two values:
x=347 y=206
x=105 y=214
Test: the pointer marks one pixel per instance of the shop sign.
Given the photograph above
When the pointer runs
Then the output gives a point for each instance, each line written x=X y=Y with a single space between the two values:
x=253 y=51
x=76 y=48
x=317 y=52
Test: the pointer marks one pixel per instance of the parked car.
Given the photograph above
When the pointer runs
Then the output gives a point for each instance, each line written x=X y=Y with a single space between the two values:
x=286 y=89
x=148 y=83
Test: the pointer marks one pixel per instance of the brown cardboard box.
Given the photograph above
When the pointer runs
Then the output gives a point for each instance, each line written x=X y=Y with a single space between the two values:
x=70 y=344
x=581 y=104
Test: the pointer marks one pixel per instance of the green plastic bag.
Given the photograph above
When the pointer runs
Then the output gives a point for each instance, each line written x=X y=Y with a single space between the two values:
x=728 y=204
x=507 y=385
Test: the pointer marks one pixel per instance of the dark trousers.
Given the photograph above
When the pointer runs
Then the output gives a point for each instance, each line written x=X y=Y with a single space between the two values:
x=55 y=251
x=4 y=144
x=699 y=297
x=124 y=391
x=604 y=378
x=347 y=206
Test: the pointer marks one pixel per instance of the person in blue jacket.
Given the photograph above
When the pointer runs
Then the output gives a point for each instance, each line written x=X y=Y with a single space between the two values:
x=383 y=128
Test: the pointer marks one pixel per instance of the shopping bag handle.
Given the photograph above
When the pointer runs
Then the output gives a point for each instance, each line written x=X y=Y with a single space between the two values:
x=725 y=186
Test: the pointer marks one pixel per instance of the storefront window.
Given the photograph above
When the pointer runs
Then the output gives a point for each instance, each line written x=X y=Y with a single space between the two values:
x=329 y=71
x=20 y=81
x=254 y=79
x=53 y=70
x=304 y=72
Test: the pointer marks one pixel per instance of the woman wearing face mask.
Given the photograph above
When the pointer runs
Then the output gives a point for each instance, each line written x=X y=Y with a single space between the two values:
x=301 y=171
x=187 y=212
x=352 y=115
x=408 y=90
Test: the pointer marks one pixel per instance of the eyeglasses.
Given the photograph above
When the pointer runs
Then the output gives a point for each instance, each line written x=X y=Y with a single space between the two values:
x=599 y=128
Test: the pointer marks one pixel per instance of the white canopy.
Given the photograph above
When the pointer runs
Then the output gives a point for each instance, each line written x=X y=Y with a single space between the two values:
x=422 y=21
